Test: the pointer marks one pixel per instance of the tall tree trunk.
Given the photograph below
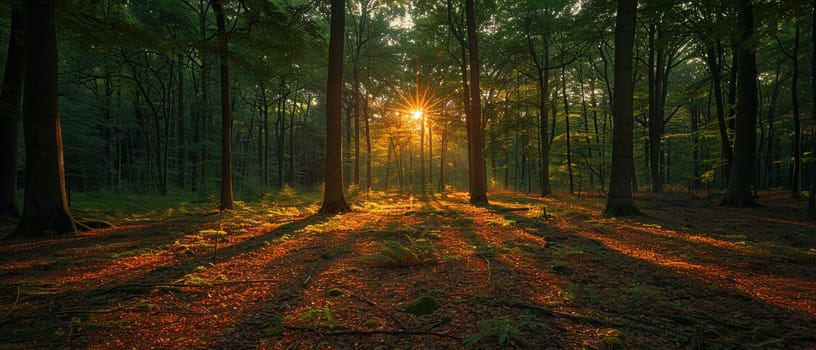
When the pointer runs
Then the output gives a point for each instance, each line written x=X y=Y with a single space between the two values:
x=812 y=170
x=10 y=112
x=368 y=143
x=181 y=142
x=226 y=113
x=620 y=201
x=443 y=140
x=656 y=78
x=422 y=154
x=742 y=170
x=478 y=183
x=567 y=131
x=797 y=127
x=333 y=199
x=280 y=132
x=265 y=139
x=714 y=52
x=46 y=208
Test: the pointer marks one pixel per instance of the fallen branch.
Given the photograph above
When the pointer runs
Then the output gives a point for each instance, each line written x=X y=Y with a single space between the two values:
x=369 y=302
x=371 y=332
x=180 y=285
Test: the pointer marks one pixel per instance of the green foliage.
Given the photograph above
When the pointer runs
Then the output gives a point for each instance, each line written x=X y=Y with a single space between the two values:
x=504 y=330
x=392 y=253
x=424 y=305
x=322 y=317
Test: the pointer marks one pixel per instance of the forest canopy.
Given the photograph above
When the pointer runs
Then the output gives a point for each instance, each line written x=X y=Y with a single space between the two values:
x=140 y=109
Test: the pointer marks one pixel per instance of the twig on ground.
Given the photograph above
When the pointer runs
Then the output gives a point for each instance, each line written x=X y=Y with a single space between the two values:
x=179 y=285
x=369 y=302
x=371 y=332
x=13 y=305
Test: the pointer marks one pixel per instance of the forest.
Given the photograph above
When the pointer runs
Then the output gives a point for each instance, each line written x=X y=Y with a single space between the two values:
x=392 y=174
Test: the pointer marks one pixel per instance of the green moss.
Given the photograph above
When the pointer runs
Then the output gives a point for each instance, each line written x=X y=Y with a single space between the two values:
x=424 y=305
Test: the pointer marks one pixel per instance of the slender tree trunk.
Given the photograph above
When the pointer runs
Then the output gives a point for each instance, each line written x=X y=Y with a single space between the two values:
x=333 y=199
x=620 y=201
x=714 y=52
x=226 y=113
x=46 y=208
x=265 y=141
x=797 y=127
x=742 y=170
x=812 y=195
x=430 y=156
x=478 y=183
x=280 y=133
x=442 y=150
x=10 y=96
x=292 y=142
x=656 y=78
x=181 y=142
x=567 y=123
x=368 y=143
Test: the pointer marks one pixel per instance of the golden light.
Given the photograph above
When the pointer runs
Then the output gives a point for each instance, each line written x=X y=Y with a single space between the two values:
x=418 y=103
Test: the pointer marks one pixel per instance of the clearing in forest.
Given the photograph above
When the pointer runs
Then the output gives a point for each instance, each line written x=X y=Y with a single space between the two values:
x=398 y=273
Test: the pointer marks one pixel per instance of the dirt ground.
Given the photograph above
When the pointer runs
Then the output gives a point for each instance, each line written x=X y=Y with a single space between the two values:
x=429 y=273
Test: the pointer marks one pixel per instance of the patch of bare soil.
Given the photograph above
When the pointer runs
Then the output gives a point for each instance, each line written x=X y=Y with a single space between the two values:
x=523 y=272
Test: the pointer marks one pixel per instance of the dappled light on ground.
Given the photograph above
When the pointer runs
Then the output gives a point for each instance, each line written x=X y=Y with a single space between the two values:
x=401 y=272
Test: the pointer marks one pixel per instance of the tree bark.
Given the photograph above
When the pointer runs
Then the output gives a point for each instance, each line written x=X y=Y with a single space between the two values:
x=797 y=127
x=10 y=99
x=333 y=199
x=713 y=55
x=812 y=194
x=567 y=130
x=46 y=208
x=226 y=113
x=620 y=201
x=181 y=141
x=478 y=183
x=739 y=192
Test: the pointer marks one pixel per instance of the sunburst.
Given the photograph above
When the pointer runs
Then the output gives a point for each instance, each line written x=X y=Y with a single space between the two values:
x=419 y=104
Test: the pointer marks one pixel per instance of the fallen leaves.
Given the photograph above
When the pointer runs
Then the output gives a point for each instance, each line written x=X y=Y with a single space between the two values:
x=502 y=275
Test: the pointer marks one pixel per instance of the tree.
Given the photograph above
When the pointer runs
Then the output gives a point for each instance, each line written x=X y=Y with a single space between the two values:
x=226 y=116
x=742 y=170
x=46 y=208
x=333 y=199
x=812 y=195
x=10 y=112
x=477 y=176
x=620 y=201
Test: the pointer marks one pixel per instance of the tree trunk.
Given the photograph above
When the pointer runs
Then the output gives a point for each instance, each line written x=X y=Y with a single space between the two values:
x=226 y=113
x=46 y=208
x=333 y=199
x=478 y=184
x=620 y=201
x=10 y=113
x=742 y=170
x=368 y=143
x=713 y=55
x=181 y=142
x=567 y=131
x=797 y=127
x=656 y=78
x=812 y=195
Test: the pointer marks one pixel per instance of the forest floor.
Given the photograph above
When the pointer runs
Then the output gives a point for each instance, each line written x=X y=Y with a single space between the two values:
x=400 y=273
